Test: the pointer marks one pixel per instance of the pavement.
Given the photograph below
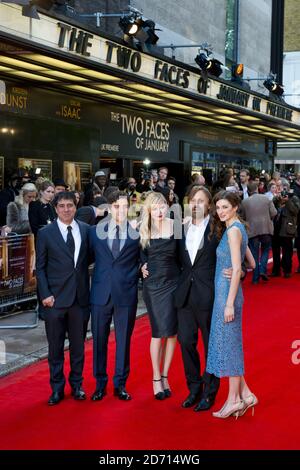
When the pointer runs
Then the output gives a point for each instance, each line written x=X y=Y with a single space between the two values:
x=20 y=347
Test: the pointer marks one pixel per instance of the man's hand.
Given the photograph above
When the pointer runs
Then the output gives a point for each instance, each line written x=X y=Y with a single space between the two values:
x=145 y=271
x=48 y=302
x=228 y=273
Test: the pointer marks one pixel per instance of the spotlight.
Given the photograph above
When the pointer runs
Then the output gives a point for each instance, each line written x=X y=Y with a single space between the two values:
x=211 y=66
x=273 y=87
x=237 y=72
x=138 y=32
x=130 y=25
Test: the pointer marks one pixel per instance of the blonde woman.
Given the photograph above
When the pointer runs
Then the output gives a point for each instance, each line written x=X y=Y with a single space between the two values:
x=160 y=271
x=17 y=212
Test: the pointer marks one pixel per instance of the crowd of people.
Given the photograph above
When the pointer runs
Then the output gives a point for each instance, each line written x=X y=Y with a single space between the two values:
x=191 y=256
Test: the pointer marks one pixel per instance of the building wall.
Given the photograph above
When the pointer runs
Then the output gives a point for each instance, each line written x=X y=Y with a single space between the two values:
x=188 y=22
x=255 y=40
x=291 y=26
x=291 y=60
x=198 y=21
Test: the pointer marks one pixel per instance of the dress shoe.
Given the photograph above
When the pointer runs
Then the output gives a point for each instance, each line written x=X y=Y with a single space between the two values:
x=249 y=402
x=121 y=393
x=230 y=409
x=167 y=391
x=298 y=270
x=287 y=275
x=205 y=404
x=190 y=400
x=276 y=274
x=98 y=394
x=55 y=398
x=159 y=395
x=264 y=277
x=78 y=394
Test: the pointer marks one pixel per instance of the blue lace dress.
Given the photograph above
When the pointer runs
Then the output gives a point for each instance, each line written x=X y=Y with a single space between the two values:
x=225 y=350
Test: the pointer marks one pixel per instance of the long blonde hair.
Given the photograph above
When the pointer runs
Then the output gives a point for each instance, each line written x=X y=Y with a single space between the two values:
x=145 y=226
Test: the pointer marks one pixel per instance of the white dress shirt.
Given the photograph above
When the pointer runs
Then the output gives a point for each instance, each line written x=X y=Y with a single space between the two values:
x=194 y=238
x=245 y=190
x=76 y=235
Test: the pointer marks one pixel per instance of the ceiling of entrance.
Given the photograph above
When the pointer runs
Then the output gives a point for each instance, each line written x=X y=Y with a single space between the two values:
x=43 y=70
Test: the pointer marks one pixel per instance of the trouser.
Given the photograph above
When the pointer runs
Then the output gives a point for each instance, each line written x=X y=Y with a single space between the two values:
x=190 y=320
x=286 y=245
x=263 y=244
x=57 y=323
x=124 y=320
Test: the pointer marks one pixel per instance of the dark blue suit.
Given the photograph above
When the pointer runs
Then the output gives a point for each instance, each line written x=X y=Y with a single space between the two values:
x=57 y=276
x=113 y=295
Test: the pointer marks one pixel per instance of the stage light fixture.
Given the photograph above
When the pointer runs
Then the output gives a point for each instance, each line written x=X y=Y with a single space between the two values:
x=206 y=64
x=273 y=87
x=237 y=72
x=138 y=33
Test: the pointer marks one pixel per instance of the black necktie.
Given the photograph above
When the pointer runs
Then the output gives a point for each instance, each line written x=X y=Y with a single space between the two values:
x=70 y=241
x=115 y=247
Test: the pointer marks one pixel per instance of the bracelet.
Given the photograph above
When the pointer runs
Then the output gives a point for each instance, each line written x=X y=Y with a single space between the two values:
x=229 y=306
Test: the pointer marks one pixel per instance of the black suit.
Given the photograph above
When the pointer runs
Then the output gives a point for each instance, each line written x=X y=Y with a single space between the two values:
x=194 y=300
x=69 y=285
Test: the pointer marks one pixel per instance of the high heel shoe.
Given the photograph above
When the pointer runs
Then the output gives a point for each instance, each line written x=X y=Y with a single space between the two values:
x=159 y=395
x=249 y=402
x=167 y=391
x=237 y=407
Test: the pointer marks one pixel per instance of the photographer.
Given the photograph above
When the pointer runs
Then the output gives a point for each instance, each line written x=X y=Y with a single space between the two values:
x=147 y=182
x=285 y=229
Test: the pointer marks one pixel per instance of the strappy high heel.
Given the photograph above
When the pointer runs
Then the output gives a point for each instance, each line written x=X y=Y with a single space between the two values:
x=237 y=407
x=167 y=391
x=249 y=402
x=159 y=395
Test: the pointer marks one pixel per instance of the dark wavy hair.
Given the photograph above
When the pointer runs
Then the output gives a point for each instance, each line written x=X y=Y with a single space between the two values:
x=217 y=227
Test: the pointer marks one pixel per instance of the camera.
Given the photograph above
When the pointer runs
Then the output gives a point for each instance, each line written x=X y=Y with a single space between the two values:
x=286 y=193
x=146 y=175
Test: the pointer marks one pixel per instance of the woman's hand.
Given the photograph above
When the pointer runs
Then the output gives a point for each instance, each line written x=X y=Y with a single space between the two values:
x=144 y=270
x=228 y=314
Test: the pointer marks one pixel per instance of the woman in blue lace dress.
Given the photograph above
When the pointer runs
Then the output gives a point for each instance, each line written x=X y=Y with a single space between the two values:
x=225 y=351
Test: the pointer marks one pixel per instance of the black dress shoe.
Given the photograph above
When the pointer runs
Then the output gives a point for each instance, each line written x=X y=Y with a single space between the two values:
x=121 y=393
x=78 y=394
x=205 y=404
x=167 y=391
x=264 y=277
x=190 y=400
x=55 y=398
x=98 y=394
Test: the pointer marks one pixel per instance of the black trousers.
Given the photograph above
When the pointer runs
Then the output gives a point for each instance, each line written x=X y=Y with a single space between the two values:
x=58 y=322
x=124 y=320
x=190 y=320
x=286 y=245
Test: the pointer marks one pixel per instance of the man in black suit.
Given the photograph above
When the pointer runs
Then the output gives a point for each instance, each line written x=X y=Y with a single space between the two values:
x=115 y=244
x=194 y=298
x=63 y=286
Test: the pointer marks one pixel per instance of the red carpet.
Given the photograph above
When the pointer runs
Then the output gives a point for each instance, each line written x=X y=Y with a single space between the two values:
x=271 y=325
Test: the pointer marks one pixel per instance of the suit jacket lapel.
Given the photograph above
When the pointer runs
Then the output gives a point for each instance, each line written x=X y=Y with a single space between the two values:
x=203 y=243
x=185 y=252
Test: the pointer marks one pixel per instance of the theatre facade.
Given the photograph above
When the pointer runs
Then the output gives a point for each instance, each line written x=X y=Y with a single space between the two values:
x=72 y=101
